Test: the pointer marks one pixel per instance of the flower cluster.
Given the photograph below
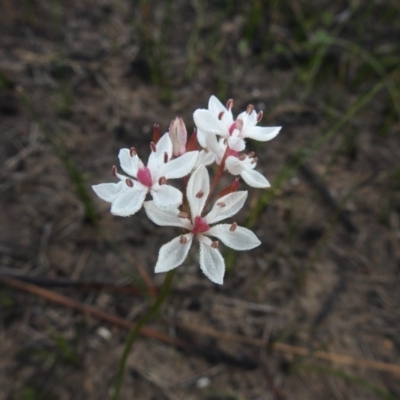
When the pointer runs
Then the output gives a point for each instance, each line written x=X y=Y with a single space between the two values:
x=219 y=139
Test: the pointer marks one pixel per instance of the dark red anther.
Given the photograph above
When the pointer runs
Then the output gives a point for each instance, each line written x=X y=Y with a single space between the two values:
x=250 y=109
x=221 y=204
x=183 y=240
x=251 y=154
x=220 y=115
x=165 y=157
x=215 y=244
x=156 y=133
x=153 y=147
x=114 y=170
x=129 y=182
x=259 y=116
x=254 y=160
x=229 y=104
x=233 y=227
x=132 y=152
x=162 y=180
x=200 y=194
x=183 y=215
x=242 y=157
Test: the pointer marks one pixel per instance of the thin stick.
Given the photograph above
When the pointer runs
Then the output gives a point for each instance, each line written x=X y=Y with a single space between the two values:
x=294 y=350
x=85 y=309
x=256 y=342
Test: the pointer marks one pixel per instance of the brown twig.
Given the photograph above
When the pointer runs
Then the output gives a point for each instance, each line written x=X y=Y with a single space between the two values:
x=260 y=343
x=85 y=309
x=294 y=350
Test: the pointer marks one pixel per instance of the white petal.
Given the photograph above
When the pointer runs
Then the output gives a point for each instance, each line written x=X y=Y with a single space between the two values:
x=197 y=190
x=129 y=164
x=254 y=179
x=226 y=206
x=156 y=159
x=109 y=191
x=205 y=158
x=234 y=165
x=236 y=143
x=249 y=121
x=262 y=133
x=211 y=261
x=208 y=122
x=240 y=239
x=201 y=137
x=166 y=196
x=215 y=106
x=173 y=253
x=129 y=201
x=218 y=148
x=181 y=166
x=165 y=217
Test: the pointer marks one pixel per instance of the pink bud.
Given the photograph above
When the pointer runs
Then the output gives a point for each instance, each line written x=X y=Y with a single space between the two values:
x=178 y=134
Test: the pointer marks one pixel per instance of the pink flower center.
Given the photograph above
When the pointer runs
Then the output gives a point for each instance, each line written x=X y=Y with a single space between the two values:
x=200 y=225
x=233 y=153
x=144 y=177
x=238 y=124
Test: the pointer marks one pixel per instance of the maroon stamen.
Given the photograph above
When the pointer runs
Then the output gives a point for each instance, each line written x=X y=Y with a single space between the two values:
x=259 y=116
x=233 y=227
x=215 y=244
x=114 y=170
x=183 y=215
x=250 y=109
x=129 y=182
x=153 y=147
x=229 y=104
x=162 y=180
x=200 y=194
x=183 y=240
x=220 y=115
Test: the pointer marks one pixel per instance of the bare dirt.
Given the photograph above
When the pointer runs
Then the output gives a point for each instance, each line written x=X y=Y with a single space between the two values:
x=80 y=80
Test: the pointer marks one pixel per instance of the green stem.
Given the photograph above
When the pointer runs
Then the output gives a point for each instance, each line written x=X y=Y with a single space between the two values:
x=136 y=330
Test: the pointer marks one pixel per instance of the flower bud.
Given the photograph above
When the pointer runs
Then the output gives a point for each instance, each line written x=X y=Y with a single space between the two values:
x=178 y=135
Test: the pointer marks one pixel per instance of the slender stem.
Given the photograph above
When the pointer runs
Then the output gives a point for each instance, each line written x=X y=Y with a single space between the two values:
x=136 y=330
x=220 y=171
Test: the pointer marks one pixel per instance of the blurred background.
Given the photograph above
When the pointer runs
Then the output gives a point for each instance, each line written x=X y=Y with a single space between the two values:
x=313 y=313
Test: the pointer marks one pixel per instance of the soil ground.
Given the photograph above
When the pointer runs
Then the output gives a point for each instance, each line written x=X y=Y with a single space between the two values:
x=81 y=79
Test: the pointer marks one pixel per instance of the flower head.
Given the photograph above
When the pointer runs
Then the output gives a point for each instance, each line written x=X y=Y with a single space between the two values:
x=173 y=253
x=127 y=196
x=218 y=120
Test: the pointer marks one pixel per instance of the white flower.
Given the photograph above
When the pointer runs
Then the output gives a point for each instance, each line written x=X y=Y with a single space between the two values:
x=173 y=253
x=235 y=163
x=127 y=196
x=218 y=120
